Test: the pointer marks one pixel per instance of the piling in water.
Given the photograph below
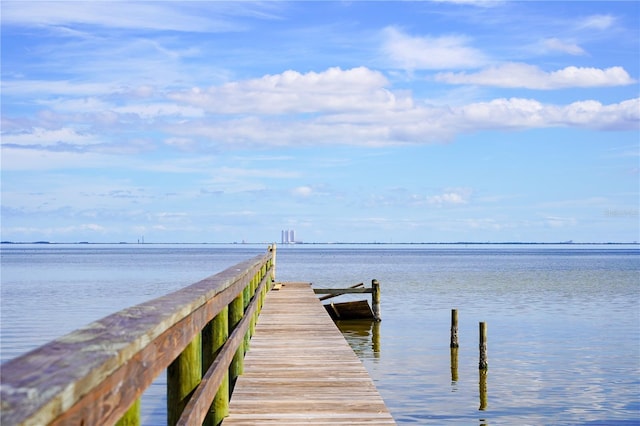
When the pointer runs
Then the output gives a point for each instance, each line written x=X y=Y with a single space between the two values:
x=375 y=300
x=483 y=364
x=454 y=329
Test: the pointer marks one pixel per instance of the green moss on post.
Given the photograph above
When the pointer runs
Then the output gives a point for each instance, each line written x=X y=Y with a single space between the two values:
x=214 y=336
x=132 y=416
x=183 y=376
x=483 y=390
x=236 y=311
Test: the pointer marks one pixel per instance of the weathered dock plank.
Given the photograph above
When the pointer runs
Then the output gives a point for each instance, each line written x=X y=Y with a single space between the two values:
x=301 y=370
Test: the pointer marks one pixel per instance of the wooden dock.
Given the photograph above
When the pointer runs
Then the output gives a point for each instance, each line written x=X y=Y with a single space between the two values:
x=298 y=368
x=301 y=370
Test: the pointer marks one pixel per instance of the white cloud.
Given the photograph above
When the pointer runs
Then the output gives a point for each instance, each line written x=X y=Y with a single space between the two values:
x=521 y=75
x=557 y=45
x=450 y=198
x=332 y=107
x=418 y=124
x=293 y=92
x=528 y=113
x=154 y=110
x=415 y=53
x=120 y=14
x=477 y=3
x=20 y=158
x=21 y=87
x=593 y=115
x=48 y=138
x=597 y=22
x=302 y=191
x=560 y=222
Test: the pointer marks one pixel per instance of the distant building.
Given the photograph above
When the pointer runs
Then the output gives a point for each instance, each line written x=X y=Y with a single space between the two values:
x=288 y=236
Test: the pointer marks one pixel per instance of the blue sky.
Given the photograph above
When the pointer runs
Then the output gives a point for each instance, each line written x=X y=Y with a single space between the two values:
x=346 y=121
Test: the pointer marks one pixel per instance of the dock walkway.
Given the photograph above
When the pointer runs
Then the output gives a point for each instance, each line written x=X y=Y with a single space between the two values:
x=300 y=370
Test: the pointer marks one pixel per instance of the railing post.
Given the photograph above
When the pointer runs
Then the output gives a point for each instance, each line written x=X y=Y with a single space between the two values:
x=254 y=285
x=183 y=376
x=375 y=300
x=246 y=298
x=236 y=311
x=272 y=249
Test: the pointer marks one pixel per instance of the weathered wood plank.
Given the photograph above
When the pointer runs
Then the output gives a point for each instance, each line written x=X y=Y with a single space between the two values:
x=341 y=291
x=300 y=369
x=330 y=296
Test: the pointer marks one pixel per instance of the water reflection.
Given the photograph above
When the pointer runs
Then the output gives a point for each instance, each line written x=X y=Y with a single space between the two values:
x=483 y=389
x=363 y=337
x=454 y=368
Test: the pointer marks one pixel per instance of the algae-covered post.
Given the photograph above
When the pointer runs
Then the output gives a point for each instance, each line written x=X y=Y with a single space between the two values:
x=483 y=389
x=375 y=300
x=183 y=376
x=454 y=329
x=236 y=311
x=483 y=365
x=214 y=336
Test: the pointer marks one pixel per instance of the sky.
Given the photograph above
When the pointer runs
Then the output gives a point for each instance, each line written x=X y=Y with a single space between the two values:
x=350 y=121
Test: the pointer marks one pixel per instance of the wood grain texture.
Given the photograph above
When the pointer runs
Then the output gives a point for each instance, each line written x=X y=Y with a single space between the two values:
x=300 y=369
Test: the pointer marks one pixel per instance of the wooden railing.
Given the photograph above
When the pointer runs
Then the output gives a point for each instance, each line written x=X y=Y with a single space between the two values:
x=96 y=374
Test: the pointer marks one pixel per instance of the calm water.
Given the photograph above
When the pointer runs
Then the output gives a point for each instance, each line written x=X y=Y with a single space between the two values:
x=563 y=322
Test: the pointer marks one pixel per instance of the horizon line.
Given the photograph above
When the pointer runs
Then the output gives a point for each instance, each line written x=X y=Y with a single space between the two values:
x=44 y=242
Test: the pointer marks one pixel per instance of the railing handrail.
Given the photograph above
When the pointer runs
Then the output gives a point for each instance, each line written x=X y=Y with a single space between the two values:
x=96 y=372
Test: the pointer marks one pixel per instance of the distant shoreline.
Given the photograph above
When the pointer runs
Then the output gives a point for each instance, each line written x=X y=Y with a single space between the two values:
x=568 y=243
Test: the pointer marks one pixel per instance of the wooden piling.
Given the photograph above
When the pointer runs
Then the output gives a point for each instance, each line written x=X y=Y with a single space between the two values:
x=236 y=311
x=272 y=250
x=454 y=329
x=183 y=376
x=483 y=364
x=375 y=300
x=214 y=337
